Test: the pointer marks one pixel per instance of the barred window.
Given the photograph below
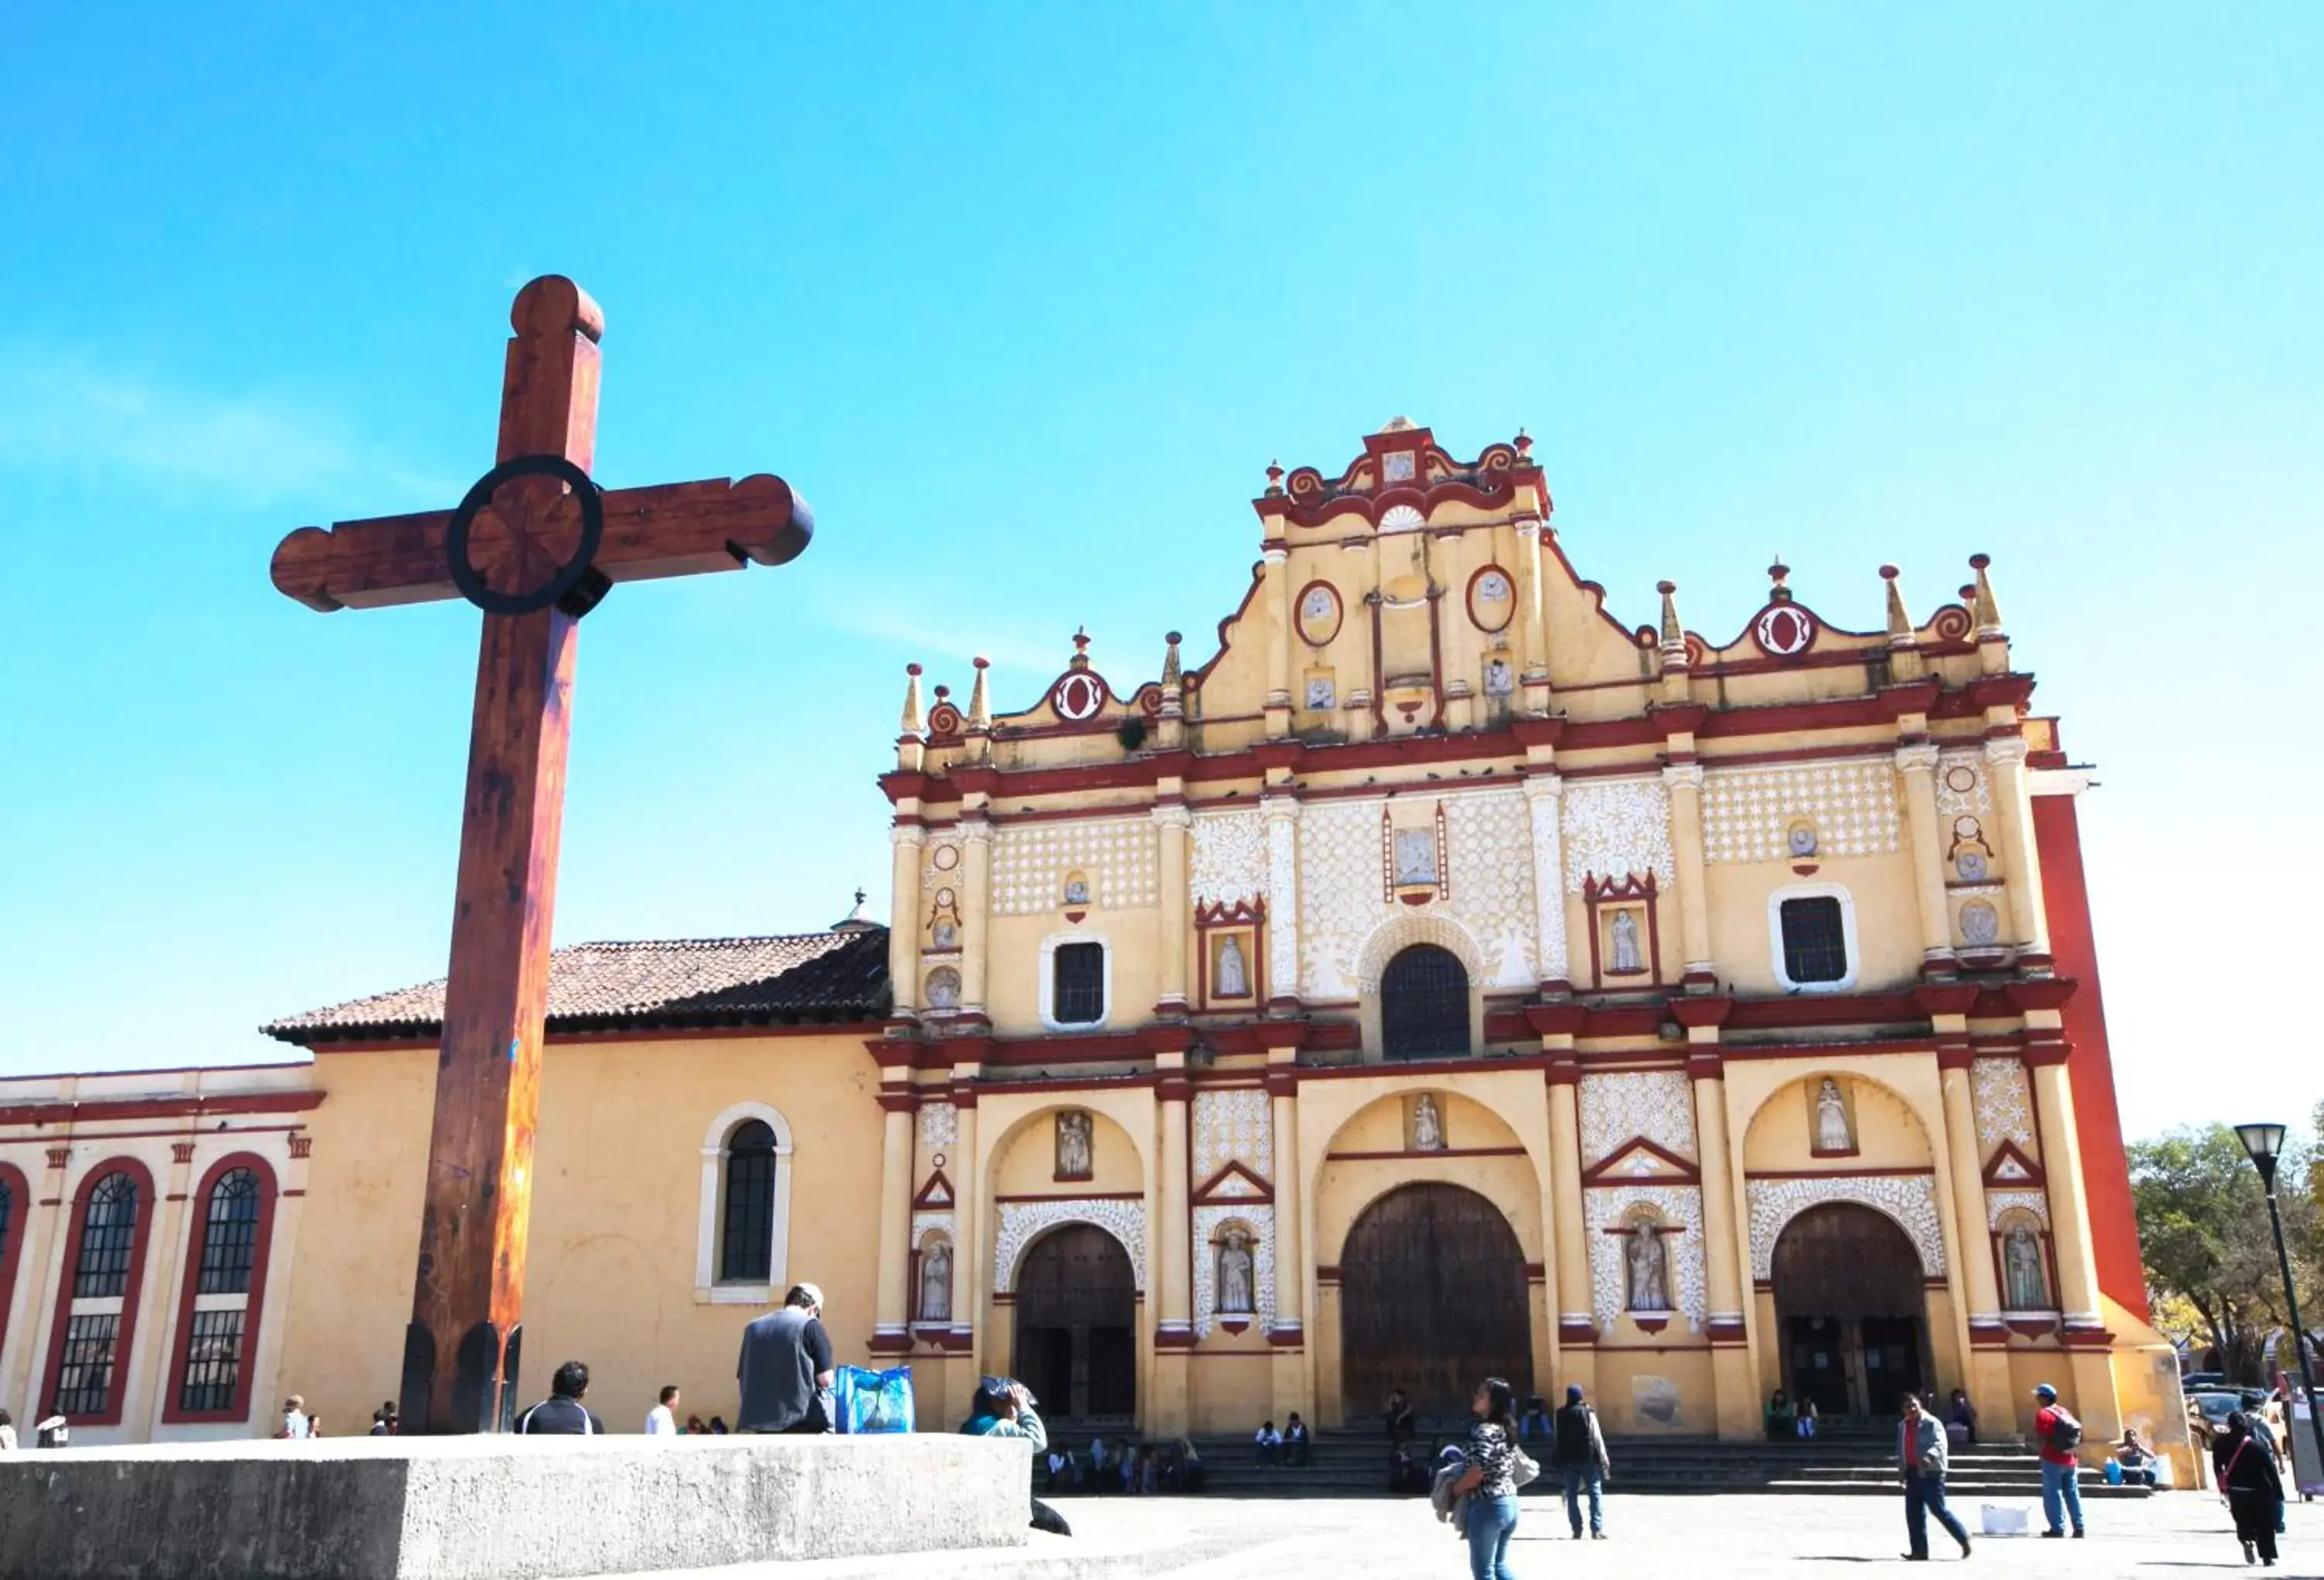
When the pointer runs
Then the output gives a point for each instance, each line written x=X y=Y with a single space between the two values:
x=1077 y=995
x=85 y=1377
x=1815 y=939
x=107 y=1235
x=1424 y=1005
x=746 y=1246
x=8 y=1210
x=212 y=1362
x=230 y=1235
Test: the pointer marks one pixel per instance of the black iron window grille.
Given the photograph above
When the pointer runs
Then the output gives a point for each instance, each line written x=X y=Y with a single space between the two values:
x=85 y=1376
x=212 y=1362
x=1077 y=997
x=1815 y=941
x=107 y=1235
x=746 y=1245
x=1424 y=1005
x=230 y=1236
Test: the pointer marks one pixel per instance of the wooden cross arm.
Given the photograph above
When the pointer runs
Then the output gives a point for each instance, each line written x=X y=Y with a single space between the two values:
x=675 y=529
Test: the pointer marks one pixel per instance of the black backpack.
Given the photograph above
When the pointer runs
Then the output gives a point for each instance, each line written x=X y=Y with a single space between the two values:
x=2065 y=1431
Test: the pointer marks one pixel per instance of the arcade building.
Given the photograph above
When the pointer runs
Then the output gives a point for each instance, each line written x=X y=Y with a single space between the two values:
x=1441 y=979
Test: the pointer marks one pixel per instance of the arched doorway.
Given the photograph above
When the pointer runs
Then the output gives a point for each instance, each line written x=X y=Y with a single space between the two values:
x=1424 y=1005
x=1852 y=1309
x=1432 y=1300
x=1076 y=1325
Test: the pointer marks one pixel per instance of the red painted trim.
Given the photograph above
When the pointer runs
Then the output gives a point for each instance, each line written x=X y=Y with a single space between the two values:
x=1602 y=1172
x=2098 y=1118
x=197 y=1107
x=254 y=1307
x=929 y=1197
x=1408 y=1152
x=1074 y=1195
x=148 y=1203
x=97 y=1137
x=1838 y=1174
x=2033 y=1178
x=21 y=1203
x=1299 y=601
x=427 y=1037
x=1208 y=1193
x=1469 y=597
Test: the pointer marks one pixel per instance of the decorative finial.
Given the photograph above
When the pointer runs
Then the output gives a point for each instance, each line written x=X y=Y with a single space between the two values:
x=1987 y=613
x=912 y=723
x=1525 y=448
x=1778 y=574
x=1081 y=647
x=1674 y=634
x=978 y=719
x=1900 y=623
x=1274 y=477
x=1170 y=674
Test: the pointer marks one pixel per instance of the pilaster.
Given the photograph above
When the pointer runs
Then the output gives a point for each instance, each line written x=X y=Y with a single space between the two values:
x=892 y=1332
x=1917 y=762
x=1685 y=782
x=975 y=905
x=1277 y=560
x=970 y=1255
x=1577 y=1331
x=2005 y=759
x=1976 y=1287
x=1171 y=821
x=1545 y=793
x=1282 y=810
x=1294 y=1391
x=1533 y=641
x=908 y=842
x=1169 y=1412
x=145 y=1380
x=1733 y=1379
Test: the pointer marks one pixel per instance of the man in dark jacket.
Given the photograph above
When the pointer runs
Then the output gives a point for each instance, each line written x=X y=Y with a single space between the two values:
x=562 y=1412
x=1923 y=1456
x=1577 y=1449
x=785 y=1368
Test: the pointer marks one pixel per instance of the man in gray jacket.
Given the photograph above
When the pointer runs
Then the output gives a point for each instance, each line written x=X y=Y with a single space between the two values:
x=1921 y=1455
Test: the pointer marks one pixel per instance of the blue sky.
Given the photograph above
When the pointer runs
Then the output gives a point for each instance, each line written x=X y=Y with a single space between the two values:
x=1024 y=298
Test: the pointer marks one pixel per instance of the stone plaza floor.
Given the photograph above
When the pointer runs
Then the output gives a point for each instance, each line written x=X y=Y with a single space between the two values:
x=1203 y=1539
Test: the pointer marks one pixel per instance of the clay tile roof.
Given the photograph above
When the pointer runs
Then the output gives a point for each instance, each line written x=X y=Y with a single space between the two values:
x=836 y=976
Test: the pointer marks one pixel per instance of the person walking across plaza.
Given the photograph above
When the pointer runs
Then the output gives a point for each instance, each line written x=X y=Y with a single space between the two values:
x=1923 y=1456
x=562 y=1413
x=2252 y=1486
x=785 y=1368
x=2057 y=1434
x=1490 y=1483
x=661 y=1420
x=1577 y=1452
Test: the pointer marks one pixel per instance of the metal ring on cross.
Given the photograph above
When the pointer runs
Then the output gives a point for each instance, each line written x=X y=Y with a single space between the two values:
x=576 y=586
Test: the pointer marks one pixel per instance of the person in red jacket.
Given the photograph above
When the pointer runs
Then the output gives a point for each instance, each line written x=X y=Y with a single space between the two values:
x=2057 y=1434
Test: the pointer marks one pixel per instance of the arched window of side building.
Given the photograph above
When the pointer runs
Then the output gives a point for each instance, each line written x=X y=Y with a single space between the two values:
x=96 y=1319
x=223 y=1295
x=741 y=1250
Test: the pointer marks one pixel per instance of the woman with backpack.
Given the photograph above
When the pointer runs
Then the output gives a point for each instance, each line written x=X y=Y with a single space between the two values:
x=1490 y=1481
x=2250 y=1483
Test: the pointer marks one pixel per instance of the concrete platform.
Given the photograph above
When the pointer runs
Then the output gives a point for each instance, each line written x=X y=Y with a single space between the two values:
x=500 y=1508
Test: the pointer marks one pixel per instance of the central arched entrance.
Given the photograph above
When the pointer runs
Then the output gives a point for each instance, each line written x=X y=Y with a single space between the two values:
x=1432 y=1300
x=1076 y=1342
x=1852 y=1309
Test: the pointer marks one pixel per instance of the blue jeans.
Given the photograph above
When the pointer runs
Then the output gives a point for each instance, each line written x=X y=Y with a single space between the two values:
x=1491 y=1520
x=1578 y=1477
x=1925 y=1495
x=2062 y=1485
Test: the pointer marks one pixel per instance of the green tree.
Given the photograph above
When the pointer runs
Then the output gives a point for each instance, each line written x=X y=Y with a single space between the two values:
x=2203 y=1226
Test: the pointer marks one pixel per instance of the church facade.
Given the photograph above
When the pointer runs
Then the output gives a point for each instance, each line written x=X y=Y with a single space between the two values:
x=1441 y=979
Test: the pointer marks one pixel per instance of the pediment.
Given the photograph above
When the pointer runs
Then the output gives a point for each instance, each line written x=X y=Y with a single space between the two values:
x=2010 y=1166
x=1640 y=1159
x=1234 y=1182
x=936 y=1192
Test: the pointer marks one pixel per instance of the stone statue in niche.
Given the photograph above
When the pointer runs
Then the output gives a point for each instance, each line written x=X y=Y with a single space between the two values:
x=1077 y=890
x=1624 y=931
x=1500 y=680
x=1234 y=973
x=1321 y=692
x=1427 y=1124
x=1980 y=923
x=1649 y=1268
x=1235 y=1275
x=944 y=934
x=1317 y=605
x=936 y=1282
x=2021 y=1264
x=1802 y=841
x=1971 y=859
x=1073 y=1153
x=1832 y=1134
x=944 y=988
x=1416 y=856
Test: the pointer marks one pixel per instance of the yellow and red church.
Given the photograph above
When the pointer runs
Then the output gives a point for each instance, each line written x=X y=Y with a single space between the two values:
x=1443 y=978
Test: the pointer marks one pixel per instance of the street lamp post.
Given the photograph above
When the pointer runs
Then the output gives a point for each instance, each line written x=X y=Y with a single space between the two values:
x=2264 y=1142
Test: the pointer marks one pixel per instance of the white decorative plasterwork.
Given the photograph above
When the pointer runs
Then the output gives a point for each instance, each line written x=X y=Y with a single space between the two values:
x=2004 y=1102
x=923 y=1223
x=1234 y=1127
x=1030 y=860
x=1998 y=1202
x=1615 y=827
x=1543 y=792
x=939 y=1125
x=1681 y=1206
x=1282 y=814
x=1210 y=1222
x=1747 y=812
x=1227 y=863
x=1023 y=1222
x=1656 y=1104
x=1969 y=793
x=1491 y=871
x=1340 y=893
x=1910 y=1199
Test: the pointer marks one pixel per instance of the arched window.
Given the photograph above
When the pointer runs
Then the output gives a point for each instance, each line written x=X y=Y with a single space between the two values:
x=747 y=1218
x=230 y=1235
x=223 y=1294
x=101 y=1271
x=1424 y=1005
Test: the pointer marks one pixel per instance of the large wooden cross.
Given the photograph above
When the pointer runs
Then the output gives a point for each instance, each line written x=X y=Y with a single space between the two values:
x=535 y=544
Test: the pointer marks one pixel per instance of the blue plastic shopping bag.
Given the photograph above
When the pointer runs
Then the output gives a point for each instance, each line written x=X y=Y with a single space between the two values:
x=864 y=1400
